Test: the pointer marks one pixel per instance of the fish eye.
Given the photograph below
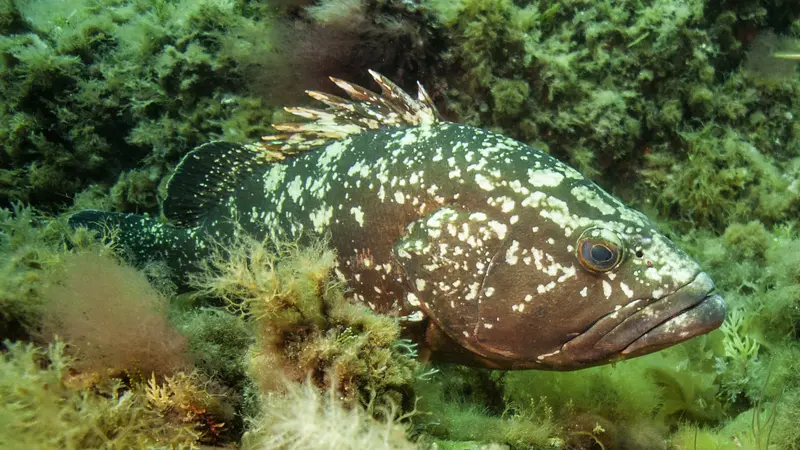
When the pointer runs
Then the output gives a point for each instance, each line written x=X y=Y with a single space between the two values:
x=599 y=250
x=601 y=253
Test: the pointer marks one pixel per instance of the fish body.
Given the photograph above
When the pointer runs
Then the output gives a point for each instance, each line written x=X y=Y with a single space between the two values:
x=492 y=252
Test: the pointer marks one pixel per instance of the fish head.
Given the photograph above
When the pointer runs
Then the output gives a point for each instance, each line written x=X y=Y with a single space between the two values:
x=556 y=283
x=530 y=265
x=609 y=291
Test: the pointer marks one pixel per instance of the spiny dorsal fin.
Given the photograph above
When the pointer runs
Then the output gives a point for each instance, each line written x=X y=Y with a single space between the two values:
x=205 y=177
x=210 y=173
x=366 y=110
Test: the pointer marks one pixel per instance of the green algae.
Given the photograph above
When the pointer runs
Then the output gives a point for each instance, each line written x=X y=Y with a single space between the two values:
x=83 y=80
x=663 y=102
x=45 y=407
x=290 y=324
x=304 y=326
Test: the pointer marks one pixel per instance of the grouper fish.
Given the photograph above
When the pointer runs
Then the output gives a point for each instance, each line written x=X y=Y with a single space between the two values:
x=490 y=252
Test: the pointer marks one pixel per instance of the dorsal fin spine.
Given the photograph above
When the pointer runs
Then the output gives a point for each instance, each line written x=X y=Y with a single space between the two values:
x=210 y=173
x=366 y=110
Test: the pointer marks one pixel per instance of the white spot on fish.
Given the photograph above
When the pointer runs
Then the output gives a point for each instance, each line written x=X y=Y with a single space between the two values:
x=416 y=316
x=590 y=197
x=358 y=214
x=508 y=204
x=295 y=188
x=539 y=178
x=511 y=253
x=499 y=228
x=483 y=182
x=274 y=177
x=627 y=290
x=332 y=153
x=321 y=217
x=546 y=355
x=607 y=289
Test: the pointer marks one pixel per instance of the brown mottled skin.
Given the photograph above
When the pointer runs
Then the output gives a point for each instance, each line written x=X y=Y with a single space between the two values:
x=490 y=251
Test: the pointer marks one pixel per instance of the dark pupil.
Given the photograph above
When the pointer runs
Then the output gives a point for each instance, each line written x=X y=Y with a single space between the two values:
x=601 y=253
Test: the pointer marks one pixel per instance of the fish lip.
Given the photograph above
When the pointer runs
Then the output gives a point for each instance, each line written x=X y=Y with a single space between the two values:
x=634 y=330
x=704 y=316
x=658 y=311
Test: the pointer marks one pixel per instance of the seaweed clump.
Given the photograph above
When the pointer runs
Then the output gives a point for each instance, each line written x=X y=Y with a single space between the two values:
x=32 y=249
x=724 y=179
x=305 y=327
x=113 y=371
x=302 y=418
x=91 y=304
x=92 y=89
x=44 y=406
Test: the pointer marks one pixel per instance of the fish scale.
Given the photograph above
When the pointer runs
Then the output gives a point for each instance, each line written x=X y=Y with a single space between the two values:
x=491 y=252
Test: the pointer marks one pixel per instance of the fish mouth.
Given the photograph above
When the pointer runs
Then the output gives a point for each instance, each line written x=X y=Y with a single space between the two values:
x=699 y=319
x=646 y=326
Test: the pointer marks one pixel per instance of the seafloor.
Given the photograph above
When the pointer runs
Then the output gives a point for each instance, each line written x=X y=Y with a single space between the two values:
x=685 y=109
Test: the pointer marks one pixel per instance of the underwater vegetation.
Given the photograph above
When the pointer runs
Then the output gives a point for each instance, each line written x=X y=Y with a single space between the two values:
x=306 y=330
x=43 y=408
x=114 y=92
x=686 y=109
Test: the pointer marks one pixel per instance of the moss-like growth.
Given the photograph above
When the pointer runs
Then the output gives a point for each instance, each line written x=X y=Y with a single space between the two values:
x=633 y=405
x=10 y=18
x=647 y=394
x=723 y=179
x=461 y=405
x=757 y=363
x=45 y=407
x=509 y=97
x=747 y=241
x=32 y=246
x=303 y=418
x=81 y=86
x=306 y=328
x=218 y=341
x=90 y=304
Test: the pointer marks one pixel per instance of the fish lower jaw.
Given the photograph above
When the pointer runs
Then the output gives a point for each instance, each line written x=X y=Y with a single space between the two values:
x=699 y=319
x=690 y=311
